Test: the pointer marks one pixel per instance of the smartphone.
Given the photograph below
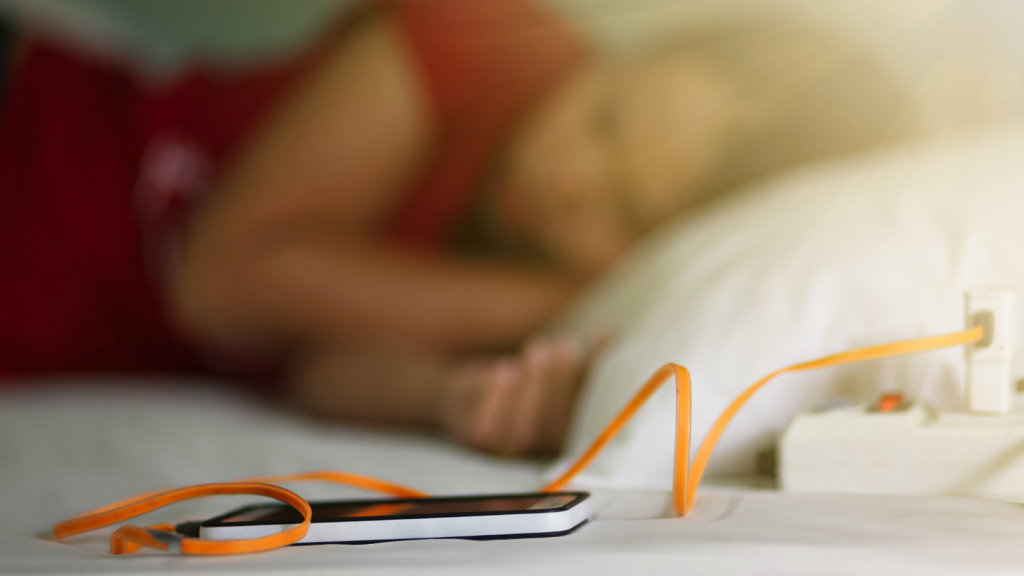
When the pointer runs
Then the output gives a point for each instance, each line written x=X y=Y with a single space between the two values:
x=488 y=517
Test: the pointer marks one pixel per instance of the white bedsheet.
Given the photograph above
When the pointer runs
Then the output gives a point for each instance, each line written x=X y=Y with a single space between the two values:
x=64 y=450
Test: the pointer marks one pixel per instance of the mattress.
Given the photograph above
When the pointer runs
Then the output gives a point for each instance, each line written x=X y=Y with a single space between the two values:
x=69 y=446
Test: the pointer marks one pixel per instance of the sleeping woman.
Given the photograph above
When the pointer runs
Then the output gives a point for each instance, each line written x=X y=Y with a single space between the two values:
x=374 y=228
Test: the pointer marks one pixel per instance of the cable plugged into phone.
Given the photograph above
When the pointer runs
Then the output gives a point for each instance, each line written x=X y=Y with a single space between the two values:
x=899 y=447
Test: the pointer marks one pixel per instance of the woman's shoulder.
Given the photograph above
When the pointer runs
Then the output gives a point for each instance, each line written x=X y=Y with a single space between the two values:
x=480 y=65
x=476 y=54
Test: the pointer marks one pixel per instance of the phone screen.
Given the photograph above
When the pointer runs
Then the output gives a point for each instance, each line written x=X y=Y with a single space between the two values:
x=427 y=507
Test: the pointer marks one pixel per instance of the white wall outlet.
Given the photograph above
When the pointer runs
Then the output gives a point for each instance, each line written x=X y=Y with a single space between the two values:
x=990 y=388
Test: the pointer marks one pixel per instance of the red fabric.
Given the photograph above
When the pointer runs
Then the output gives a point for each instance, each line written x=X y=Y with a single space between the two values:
x=97 y=171
x=88 y=205
x=482 y=62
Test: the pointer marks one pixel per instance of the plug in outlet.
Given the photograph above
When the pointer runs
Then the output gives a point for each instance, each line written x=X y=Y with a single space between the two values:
x=898 y=448
x=990 y=388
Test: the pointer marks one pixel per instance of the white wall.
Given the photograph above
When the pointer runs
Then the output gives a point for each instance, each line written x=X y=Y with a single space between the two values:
x=962 y=59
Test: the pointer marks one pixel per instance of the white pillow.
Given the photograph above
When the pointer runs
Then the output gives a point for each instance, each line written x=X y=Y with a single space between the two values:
x=866 y=251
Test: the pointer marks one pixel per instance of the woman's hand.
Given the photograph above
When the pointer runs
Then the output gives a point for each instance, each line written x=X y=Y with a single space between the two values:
x=519 y=405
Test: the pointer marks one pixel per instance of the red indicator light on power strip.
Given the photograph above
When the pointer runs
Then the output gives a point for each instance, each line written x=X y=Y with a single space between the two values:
x=890 y=402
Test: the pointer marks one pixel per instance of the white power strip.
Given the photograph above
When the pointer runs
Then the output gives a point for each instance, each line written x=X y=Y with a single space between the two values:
x=891 y=448
x=909 y=451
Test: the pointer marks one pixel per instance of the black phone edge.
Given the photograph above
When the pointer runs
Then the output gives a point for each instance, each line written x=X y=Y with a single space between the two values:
x=217 y=521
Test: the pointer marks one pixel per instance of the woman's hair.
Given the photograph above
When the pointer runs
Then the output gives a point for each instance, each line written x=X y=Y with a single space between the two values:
x=802 y=98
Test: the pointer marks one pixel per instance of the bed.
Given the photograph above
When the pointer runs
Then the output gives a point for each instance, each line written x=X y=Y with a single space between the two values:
x=69 y=446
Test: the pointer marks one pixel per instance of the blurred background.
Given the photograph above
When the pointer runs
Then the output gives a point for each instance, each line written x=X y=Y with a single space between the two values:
x=963 y=59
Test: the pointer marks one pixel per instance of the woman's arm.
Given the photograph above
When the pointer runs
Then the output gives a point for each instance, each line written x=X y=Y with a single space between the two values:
x=285 y=250
x=313 y=289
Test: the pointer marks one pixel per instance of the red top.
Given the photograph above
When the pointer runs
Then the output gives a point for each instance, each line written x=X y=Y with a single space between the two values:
x=98 y=170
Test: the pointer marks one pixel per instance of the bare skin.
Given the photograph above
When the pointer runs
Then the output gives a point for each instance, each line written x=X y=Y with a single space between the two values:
x=290 y=254
x=288 y=249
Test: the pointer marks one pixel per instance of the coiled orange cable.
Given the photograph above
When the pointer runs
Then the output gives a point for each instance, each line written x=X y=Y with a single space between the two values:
x=687 y=476
x=128 y=539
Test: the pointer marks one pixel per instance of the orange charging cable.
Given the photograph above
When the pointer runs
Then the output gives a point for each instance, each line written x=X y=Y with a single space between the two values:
x=686 y=480
x=128 y=539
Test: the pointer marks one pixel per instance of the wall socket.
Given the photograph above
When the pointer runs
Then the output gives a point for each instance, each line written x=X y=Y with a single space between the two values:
x=990 y=386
